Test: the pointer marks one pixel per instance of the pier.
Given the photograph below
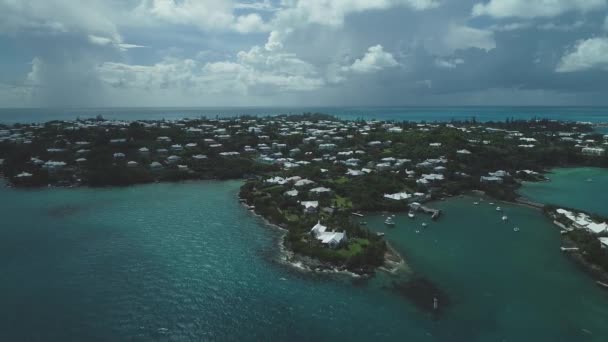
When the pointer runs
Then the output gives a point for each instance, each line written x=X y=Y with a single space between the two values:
x=525 y=201
x=435 y=213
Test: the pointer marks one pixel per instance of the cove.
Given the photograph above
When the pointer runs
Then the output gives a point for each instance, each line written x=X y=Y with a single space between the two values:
x=583 y=188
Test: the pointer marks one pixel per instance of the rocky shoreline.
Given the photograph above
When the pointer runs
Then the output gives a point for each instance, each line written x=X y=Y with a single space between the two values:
x=393 y=261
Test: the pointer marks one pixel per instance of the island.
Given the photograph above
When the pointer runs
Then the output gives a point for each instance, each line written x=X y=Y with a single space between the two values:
x=313 y=175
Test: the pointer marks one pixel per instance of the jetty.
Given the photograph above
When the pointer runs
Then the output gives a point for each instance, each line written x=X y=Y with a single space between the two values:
x=525 y=201
x=435 y=213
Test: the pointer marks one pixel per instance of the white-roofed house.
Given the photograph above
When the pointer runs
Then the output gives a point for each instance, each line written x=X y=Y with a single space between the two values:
x=331 y=239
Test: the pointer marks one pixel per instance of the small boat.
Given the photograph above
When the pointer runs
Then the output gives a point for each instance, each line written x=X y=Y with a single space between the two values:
x=357 y=214
x=380 y=233
x=417 y=231
x=491 y=203
x=410 y=215
x=504 y=217
x=516 y=229
x=389 y=221
x=498 y=209
x=424 y=224
x=476 y=203
x=589 y=180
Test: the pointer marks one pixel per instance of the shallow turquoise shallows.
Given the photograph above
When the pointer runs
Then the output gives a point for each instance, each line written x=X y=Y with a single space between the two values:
x=185 y=262
x=579 y=188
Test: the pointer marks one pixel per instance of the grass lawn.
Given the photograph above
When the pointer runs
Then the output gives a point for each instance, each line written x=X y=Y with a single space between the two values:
x=342 y=202
x=354 y=247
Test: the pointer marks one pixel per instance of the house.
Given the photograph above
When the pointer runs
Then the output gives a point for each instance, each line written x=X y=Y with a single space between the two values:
x=291 y=193
x=490 y=179
x=156 y=165
x=398 y=196
x=310 y=206
x=332 y=239
x=320 y=190
x=593 y=151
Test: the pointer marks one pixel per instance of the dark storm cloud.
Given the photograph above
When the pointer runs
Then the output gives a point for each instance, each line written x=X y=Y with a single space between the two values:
x=299 y=52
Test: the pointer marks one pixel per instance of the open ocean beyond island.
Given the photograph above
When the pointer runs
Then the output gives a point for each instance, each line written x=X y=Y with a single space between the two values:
x=186 y=262
x=587 y=114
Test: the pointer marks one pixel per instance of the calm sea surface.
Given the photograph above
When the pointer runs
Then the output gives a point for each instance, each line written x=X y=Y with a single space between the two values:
x=185 y=262
x=591 y=114
x=580 y=188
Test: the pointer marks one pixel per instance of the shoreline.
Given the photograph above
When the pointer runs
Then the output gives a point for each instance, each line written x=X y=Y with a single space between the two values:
x=393 y=261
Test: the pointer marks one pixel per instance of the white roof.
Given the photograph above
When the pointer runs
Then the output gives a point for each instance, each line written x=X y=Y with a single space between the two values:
x=310 y=204
x=398 y=196
x=318 y=228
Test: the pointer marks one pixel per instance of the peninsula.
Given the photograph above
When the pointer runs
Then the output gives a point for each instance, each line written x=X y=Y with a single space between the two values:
x=310 y=174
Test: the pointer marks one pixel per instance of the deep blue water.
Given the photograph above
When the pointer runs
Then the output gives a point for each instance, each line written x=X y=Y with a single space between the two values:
x=592 y=114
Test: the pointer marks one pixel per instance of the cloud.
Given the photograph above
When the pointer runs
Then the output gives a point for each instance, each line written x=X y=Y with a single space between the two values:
x=534 y=8
x=333 y=12
x=56 y=16
x=587 y=54
x=375 y=59
x=448 y=63
x=257 y=71
x=116 y=43
x=461 y=37
x=214 y=15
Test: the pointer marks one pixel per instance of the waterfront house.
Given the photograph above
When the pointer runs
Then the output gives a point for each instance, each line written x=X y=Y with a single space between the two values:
x=332 y=239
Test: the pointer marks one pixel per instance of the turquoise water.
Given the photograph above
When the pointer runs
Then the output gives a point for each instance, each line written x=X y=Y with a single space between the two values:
x=481 y=113
x=570 y=187
x=185 y=262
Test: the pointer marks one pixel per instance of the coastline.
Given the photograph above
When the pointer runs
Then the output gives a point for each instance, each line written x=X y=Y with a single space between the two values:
x=393 y=261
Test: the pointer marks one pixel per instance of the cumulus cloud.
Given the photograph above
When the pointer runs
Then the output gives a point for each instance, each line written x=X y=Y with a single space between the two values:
x=209 y=14
x=534 y=8
x=257 y=70
x=375 y=59
x=460 y=37
x=587 y=54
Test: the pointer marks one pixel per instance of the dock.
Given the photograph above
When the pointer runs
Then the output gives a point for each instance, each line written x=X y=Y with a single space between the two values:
x=530 y=203
x=357 y=214
x=569 y=249
x=435 y=213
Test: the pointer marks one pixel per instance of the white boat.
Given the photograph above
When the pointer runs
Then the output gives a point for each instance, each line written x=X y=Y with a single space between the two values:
x=589 y=180
x=504 y=217
x=424 y=224
x=516 y=229
x=498 y=209
x=491 y=203
x=476 y=203
x=380 y=233
x=389 y=221
x=410 y=214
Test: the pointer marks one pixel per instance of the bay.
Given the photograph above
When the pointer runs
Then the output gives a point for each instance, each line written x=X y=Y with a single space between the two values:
x=583 y=188
x=185 y=261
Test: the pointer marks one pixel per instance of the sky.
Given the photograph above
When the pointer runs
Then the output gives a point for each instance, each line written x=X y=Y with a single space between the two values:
x=140 y=53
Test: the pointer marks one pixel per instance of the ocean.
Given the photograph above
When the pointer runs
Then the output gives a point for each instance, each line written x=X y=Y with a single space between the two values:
x=186 y=262
x=497 y=113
